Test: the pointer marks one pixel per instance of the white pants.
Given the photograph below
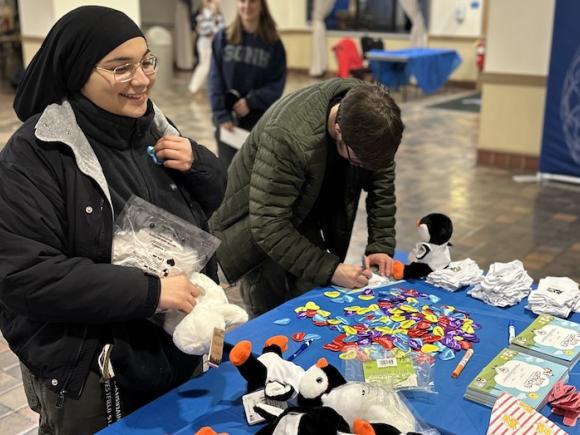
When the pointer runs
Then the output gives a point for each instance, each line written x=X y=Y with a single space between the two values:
x=199 y=77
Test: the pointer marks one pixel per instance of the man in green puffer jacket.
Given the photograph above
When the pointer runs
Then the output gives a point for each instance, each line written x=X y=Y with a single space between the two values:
x=294 y=187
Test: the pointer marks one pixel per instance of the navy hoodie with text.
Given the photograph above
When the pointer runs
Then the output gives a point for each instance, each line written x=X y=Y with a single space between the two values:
x=255 y=69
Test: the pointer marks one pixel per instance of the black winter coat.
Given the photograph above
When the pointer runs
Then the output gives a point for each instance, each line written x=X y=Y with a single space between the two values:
x=60 y=298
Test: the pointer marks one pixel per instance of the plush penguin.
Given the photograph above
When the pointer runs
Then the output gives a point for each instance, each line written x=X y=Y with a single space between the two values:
x=432 y=252
x=382 y=409
x=296 y=420
x=316 y=381
x=368 y=409
x=279 y=378
x=318 y=420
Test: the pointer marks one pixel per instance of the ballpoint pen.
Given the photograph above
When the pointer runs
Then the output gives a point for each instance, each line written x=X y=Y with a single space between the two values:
x=301 y=349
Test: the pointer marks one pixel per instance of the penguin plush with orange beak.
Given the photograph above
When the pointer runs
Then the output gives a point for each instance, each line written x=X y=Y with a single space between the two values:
x=432 y=252
x=329 y=405
x=278 y=377
x=316 y=381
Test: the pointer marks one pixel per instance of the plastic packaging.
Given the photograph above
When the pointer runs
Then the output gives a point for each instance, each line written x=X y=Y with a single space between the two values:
x=391 y=369
x=159 y=242
x=360 y=400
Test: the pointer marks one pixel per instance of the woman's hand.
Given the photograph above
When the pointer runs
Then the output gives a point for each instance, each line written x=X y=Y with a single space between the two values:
x=177 y=294
x=229 y=126
x=176 y=152
x=241 y=107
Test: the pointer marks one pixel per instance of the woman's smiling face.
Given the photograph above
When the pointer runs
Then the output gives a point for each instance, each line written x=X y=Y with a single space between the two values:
x=121 y=98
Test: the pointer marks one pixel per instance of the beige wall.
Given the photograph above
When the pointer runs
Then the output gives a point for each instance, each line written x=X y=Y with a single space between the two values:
x=130 y=7
x=512 y=118
x=37 y=17
x=519 y=36
x=455 y=17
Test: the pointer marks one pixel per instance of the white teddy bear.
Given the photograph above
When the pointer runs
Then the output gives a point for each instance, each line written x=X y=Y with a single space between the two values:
x=192 y=332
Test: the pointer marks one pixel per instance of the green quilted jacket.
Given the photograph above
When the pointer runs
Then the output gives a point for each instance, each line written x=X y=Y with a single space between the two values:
x=274 y=182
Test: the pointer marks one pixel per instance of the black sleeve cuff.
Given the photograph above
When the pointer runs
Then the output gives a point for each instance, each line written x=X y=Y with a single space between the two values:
x=153 y=294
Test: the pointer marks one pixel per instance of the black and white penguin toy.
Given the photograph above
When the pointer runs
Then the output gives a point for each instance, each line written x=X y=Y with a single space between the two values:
x=432 y=251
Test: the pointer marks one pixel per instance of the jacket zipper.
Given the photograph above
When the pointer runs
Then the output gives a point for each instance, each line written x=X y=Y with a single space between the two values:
x=145 y=183
x=61 y=394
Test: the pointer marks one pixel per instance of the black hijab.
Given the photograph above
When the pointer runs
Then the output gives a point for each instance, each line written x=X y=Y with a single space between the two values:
x=68 y=55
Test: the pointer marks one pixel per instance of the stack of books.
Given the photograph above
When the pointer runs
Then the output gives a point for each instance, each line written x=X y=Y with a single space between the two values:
x=526 y=377
x=550 y=338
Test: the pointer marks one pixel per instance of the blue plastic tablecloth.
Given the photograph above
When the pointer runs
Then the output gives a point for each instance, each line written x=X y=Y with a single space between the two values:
x=430 y=66
x=215 y=398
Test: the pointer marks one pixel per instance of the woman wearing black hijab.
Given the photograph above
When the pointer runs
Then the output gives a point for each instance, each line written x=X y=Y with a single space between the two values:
x=66 y=173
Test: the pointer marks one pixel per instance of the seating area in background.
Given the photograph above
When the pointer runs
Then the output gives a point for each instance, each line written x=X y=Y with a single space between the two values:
x=350 y=61
x=431 y=67
x=428 y=68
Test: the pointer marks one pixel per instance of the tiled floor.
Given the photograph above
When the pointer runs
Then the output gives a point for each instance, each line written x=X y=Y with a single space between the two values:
x=495 y=218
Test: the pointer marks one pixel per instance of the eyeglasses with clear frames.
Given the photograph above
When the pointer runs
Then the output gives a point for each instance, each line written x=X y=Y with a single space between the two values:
x=126 y=72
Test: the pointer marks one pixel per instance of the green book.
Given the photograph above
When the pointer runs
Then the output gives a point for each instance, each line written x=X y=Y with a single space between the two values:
x=551 y=338
x=526 y=377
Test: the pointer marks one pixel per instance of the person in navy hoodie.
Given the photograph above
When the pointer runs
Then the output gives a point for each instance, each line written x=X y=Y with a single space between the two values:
x=248 y=71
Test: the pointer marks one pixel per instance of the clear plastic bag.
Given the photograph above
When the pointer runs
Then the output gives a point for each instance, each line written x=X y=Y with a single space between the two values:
x=371 y=402
x=159 y=242
x=392 y=369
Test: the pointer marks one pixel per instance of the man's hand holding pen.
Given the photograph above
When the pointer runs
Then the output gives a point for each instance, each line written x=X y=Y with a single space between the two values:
x=351 y=276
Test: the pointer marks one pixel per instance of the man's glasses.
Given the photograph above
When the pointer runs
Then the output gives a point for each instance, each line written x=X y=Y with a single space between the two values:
x=353 y=162
x=126 y=72
x=356 y=162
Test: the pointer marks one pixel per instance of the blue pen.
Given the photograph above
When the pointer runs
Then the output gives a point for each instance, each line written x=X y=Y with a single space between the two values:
x=511 y=331
x=301 y=349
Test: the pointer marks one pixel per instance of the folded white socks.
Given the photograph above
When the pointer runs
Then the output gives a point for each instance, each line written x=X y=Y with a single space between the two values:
x=557 y=296
x=505 y=284
x=458 y=274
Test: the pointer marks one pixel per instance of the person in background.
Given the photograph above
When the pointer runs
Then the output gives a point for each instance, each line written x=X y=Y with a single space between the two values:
x=209 y=21
x=294 y=188
x=66 y=174
x=248 y=71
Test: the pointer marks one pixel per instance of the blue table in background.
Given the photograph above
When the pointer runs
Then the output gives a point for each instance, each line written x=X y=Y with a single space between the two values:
x=215 y=398
x=431 y=67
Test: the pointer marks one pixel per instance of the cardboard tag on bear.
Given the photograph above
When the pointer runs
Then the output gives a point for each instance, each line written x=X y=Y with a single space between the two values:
x=216 y=348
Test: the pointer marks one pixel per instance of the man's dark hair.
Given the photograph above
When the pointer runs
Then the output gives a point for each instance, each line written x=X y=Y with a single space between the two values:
x=371 y=124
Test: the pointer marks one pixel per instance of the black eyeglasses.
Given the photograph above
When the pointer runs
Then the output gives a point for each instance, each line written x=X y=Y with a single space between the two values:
x=350 y=160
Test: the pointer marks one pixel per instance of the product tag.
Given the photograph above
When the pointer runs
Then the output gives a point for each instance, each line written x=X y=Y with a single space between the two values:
x=252 y=399
x=386 y=362
x=216 y=348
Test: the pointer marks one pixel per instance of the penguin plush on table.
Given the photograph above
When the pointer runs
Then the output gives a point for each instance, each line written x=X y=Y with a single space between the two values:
x=316 y=381
x=324 y=387
x=432 y=252
x=296 y=420
x=278 y=377
x=329 y=405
